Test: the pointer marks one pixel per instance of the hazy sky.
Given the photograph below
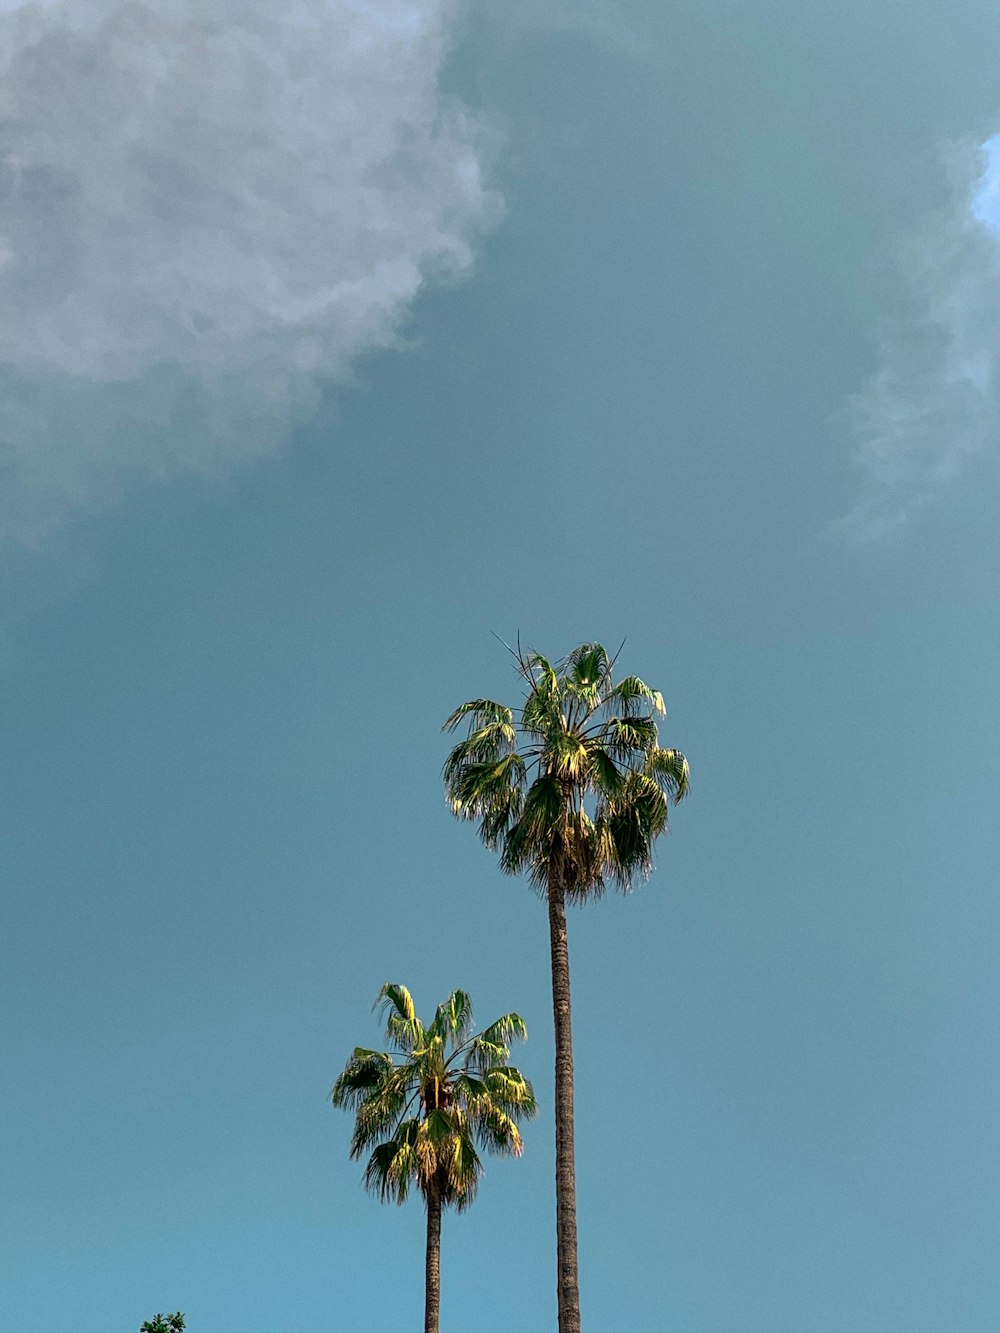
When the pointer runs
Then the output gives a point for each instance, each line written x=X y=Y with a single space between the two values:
x=338 y=334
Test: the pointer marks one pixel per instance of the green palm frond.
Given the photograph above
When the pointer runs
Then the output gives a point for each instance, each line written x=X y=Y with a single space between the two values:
x=365 y=1071
x=541 y=817
x=497 y=1132
x=626 y=737
x=376 y=1119
x=454 y=1017
x=566 y=756
x=483 y=1053
x=393 y=1166
x=481 y=712
x=671 y=771
x=585 y=673
x=630 y=824
x=468 y=1086
x=511 y=1091
x=541 y=713
x=587 y=665
x=605 y=777
x=465 y=1173
x=485 y=745
x=479 y=788
x=631 y=696
x=395 y=1005
x=508 y=1029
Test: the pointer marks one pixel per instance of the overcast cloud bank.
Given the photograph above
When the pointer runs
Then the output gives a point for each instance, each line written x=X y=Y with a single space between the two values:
x=207 y=211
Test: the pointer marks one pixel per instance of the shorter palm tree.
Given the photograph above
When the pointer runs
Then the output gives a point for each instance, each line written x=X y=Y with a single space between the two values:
x=423 y=1109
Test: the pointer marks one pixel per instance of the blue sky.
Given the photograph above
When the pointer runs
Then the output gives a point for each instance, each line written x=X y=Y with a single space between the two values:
x=336 y=338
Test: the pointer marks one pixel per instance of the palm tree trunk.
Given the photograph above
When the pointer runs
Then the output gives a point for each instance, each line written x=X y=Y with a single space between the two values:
x=568 y=1282
x=432 y=1271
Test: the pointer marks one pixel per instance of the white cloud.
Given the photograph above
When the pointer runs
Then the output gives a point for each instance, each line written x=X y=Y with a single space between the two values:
x=207 y=208
x=931 y=409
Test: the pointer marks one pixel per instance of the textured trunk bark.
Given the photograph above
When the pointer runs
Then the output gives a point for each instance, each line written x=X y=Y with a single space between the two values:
x=432 y=1272
x=568 y=1282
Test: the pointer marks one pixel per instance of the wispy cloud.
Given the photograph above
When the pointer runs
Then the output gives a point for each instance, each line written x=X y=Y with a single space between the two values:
x=206 y=211
x=932 y=407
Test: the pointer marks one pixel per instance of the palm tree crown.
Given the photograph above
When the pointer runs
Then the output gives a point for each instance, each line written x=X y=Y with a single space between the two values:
x=424 y=1108
x=574 y=784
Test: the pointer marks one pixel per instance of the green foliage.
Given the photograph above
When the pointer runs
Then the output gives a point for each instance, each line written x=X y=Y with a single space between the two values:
x=425 y=1108
x=171 y=1323
x=575 y=779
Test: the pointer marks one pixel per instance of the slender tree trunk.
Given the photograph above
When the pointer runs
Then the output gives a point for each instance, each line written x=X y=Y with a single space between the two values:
x=432 y=1272
x=568 y=1282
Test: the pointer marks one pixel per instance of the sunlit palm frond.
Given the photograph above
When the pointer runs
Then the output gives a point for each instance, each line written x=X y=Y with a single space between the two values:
x=632 y=696
x=540 y=819
x=366 y=1070
x=467 y=1085
x=393 y=1165
x=483 y=1053
x=566 y=756
x=465 y=1172
x=628 y=737
x=584 y=675
x=454 y=1017
x=481 y=712
x=497 y=1131
x=670 y=769
x=484 y=745
x=605 y=778
x=511 y=1091
x=395 y=1005
x=505 y=1030
x=479 y=788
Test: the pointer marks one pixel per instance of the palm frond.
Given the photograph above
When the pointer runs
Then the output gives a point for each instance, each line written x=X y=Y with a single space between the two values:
x=631 y=695
x=584 y=673
x=394 y=1165
x=454 y=1017
x=497 y=1132
x=629 y=825
x=480 y=712
x=395 y=1005
x=541 y=712
x=566 y=755
x=605 y=778
x=484 y=745
x=482 y=1053
x=476 y=788
x=509 y=1028
x=467 y=1086
x=380 y=1115
x=627 y=737
x=532 y=833
x=671 y=771
x=582 y=869
x=511 y=1091
x=464 y=1172
x=365 y=1071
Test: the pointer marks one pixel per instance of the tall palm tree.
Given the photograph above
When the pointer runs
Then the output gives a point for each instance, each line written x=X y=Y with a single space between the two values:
x=572 y=788
x=423 y=1107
